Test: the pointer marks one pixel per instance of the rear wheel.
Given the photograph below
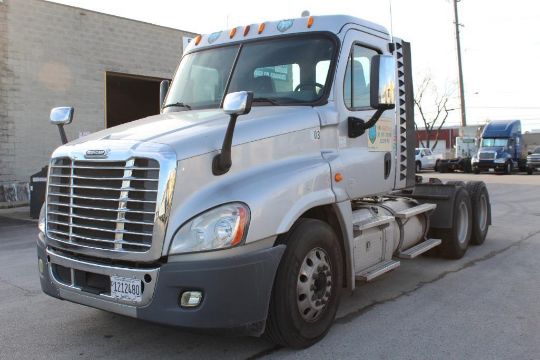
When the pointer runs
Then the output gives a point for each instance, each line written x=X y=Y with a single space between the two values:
x=307 y=287
x=481 y=211
x=418 y=166
x=455 y=240
x=529 y=171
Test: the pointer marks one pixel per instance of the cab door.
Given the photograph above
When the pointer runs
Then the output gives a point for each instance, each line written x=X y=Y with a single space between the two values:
x=368 y=160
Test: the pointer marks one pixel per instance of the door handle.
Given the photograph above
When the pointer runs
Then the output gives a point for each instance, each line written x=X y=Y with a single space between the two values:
x=387 y=164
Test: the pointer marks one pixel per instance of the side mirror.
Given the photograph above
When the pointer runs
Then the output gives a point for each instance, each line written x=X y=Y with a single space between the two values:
x=163 y=89
x=238 y=103
x=382 y=93
x=62 y=115
x=382 y=80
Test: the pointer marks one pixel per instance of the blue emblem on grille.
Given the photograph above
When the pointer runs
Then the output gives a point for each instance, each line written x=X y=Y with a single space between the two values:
x=284 y=25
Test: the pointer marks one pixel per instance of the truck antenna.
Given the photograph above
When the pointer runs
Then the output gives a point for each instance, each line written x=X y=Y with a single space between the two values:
x=391 y=22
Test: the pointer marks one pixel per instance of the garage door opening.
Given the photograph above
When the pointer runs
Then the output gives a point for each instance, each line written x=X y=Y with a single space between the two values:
x=130 y=97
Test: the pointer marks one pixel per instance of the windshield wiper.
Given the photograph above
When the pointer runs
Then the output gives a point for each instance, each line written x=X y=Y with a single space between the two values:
x=265 y=99
x=178 y=104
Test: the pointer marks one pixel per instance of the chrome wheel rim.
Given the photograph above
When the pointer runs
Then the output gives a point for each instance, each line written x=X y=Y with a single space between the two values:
x=314 y=285
x=463 y=222
x=482 y=212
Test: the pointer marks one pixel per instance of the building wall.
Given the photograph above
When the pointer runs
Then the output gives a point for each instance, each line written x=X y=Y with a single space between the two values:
x=448 y=135
x=55 y=55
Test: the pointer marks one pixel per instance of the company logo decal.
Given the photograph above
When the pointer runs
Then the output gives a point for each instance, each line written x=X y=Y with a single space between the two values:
x=372 y=134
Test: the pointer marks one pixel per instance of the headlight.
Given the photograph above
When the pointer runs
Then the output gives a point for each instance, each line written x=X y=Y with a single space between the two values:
x=500 y=160
x=41 y=222
x=219 y=228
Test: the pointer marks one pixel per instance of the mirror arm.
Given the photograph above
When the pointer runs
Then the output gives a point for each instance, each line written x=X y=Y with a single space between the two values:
x=222 y=162
x=63 y=136
x=358 y=127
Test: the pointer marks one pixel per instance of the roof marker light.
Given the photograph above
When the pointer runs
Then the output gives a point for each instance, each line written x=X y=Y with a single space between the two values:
x=310 y=22
x=232 y=33
x=261 y=28
x=246 y=30
x=198 y=39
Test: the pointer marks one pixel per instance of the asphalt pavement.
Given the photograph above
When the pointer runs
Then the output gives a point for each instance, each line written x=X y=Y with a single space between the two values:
x=484 y=306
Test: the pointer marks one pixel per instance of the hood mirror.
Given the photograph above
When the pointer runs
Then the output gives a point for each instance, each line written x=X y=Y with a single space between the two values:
x=238 y=103
x=61 y=116
x=235 y=104
x=163 y=89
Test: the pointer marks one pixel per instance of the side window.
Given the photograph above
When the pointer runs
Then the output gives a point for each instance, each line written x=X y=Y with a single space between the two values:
x=356 y=85
x=428 y=152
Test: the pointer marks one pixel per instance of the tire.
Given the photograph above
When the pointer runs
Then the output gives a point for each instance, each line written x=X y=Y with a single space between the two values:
x=508 y=168
x=455 y=240
x=529 y=171
x=467 y=167
x=436 y=167
x=418 y=166
x=481 y=211
x=293 y=319
x=476 y=171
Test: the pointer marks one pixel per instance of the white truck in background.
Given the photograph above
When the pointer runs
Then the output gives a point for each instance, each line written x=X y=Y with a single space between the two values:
x=425 y=159
x=279 y=174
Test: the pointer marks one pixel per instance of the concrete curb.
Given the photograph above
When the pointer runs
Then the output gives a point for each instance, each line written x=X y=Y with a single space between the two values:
x=13 y=204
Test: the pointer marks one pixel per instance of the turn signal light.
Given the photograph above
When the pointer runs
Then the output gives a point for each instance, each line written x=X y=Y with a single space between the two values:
x=338 y=177
x=310 y=22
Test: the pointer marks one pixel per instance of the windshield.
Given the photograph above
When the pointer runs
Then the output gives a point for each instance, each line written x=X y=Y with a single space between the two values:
x=489 y=142
x=286 y=71
x=536 y=151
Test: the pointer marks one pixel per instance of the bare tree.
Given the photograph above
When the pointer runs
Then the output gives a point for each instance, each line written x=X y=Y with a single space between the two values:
x=433 y=107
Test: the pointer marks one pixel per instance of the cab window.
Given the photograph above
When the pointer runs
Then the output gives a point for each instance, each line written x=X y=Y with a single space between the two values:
x=356 y=92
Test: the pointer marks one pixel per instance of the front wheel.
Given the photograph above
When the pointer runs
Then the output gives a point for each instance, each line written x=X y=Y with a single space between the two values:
x=508 y=168
x=307 y=287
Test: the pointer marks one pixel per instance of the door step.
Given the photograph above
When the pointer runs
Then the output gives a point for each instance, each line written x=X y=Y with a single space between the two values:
x=418 y=249
x=377 y=270
x=372 y=222
x=422 y=208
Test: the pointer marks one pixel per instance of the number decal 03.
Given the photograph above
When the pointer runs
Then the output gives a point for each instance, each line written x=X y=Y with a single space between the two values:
x=316 y=134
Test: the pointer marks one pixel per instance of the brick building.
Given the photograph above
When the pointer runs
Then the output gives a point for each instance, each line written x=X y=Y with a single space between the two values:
x=107 y=67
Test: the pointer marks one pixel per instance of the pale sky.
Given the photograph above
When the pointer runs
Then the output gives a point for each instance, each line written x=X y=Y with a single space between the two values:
x=500 y=43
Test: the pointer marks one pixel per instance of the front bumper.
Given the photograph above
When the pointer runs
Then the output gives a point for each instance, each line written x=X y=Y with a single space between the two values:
x=486 y=165
x=535 y=165
x=236 y=290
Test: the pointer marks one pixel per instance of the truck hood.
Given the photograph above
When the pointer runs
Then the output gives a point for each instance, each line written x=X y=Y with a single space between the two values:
x=196 y=132
x=500 y=151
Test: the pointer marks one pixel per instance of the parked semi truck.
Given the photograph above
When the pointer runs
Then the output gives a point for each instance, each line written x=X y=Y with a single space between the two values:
x=279 y=174
x=465 y=149
x=501 y=148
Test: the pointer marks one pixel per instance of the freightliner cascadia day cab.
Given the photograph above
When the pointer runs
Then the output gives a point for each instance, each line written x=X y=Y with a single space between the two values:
x=279 y=175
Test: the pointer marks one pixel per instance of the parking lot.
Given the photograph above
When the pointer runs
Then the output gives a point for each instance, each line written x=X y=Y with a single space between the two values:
x=483 y=306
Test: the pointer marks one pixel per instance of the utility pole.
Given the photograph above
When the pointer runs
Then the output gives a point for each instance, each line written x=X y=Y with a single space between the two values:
x=460 y=69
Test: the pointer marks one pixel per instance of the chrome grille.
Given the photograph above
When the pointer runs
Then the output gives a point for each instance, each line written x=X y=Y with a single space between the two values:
x=486 y=156
x=107 y=205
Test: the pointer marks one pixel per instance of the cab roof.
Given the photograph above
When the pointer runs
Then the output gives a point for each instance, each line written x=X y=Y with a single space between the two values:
x=325 y=23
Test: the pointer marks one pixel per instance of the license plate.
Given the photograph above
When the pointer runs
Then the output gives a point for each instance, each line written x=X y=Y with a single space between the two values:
x=126 y=288
x=491 y=170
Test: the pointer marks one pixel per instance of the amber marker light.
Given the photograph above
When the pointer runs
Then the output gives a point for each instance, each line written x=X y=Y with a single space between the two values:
x=261 y=28
x=198 y=39
x=338 y=177
x=310 y=22
x=246 y=30
x=232 y=33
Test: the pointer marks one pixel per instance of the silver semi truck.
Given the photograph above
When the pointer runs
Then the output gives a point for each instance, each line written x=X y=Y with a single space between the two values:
x=279 y=174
